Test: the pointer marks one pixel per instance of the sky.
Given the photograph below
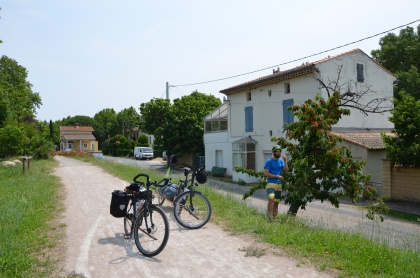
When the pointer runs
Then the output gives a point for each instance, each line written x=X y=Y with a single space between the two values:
x=83 y=56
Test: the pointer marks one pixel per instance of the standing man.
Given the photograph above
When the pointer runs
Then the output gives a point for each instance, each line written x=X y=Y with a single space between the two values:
x=273 y=170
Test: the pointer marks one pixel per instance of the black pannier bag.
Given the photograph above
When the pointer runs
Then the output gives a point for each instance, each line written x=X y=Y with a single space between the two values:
x=119 y=203
x=201 y=176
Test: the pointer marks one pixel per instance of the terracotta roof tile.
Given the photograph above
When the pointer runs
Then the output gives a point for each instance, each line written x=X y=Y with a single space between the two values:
x=76 y=128
x=371 y=140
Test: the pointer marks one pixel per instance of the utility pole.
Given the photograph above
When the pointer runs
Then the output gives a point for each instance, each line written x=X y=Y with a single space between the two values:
x=167 y=90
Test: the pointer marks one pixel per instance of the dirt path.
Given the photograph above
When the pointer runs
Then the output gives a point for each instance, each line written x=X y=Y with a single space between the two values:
x=95 y=246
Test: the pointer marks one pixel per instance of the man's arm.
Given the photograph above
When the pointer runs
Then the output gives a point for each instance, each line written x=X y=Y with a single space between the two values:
x=286 y=167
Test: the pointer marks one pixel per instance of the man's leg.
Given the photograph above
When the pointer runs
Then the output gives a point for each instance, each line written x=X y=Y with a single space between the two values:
x=276 y=201
x=270 y=204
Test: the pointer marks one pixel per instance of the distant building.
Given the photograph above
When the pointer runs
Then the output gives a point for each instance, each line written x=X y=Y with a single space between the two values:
x=78 y=138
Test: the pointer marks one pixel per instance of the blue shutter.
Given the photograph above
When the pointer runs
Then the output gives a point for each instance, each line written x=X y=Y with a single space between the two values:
x=249 y=120
x=287 y=115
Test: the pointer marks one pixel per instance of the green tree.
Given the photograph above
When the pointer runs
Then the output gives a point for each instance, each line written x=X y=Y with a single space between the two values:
x=184 y=132
x=107 y=120
x=400 y=54
x=154 y=115
x=404 y=147
x=319 y=169
x=12 y=141
x=143 y=141
x=126 y=120
x=21 y=102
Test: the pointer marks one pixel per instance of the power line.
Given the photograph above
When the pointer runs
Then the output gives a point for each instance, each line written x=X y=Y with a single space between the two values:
x=347 y=44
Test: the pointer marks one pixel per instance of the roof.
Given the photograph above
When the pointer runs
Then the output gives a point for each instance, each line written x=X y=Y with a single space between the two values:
x=78 y=137
x=369 y=139
x=76 y=128
x=295 y=72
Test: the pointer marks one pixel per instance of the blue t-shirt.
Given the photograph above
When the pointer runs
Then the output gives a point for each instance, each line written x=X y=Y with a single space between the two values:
x=275 y=167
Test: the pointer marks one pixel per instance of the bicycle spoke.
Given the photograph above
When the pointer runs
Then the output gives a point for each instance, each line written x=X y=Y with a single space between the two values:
x=197 y=210
x=152 y=238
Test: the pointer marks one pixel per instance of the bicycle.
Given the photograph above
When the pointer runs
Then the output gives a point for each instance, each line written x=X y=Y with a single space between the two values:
x=146 y=221
x=192 y=209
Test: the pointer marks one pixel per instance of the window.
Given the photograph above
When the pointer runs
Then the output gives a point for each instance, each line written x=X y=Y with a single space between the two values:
x=287 y=114
x=85 y=146
x=249 y=119
x=287 y=88
x=248 y=96
x=243 y=153
x=217 y=120
x=360 y=73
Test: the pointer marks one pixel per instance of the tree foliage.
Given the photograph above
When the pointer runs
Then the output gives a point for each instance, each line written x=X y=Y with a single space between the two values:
x=154 y=116
x=404 y=147
x=107 y=120
x=179 y=127
x=319 y=168
x=400 y=54
x=126 y=120
x=12 y=141
x=17 y=97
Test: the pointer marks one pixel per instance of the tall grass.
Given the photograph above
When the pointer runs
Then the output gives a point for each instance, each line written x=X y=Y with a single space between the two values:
x=28 y=204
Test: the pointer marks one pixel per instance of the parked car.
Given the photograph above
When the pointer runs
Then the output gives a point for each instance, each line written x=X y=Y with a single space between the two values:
x=143 y=153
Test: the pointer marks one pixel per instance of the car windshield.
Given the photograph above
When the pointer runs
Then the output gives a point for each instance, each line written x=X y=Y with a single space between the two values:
x=147 y=150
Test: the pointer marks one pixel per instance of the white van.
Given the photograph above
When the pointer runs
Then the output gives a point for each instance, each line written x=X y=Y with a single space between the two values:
x=143 y=153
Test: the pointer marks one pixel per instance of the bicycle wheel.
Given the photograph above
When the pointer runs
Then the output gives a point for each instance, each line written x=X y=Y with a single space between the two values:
x=151 y=231
x=192 y=210
x=159 y=192
x=128 y=223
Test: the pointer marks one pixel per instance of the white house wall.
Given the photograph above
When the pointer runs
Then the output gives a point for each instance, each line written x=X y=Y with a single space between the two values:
x=268 y=110
x=218 y=141
x=377 y=79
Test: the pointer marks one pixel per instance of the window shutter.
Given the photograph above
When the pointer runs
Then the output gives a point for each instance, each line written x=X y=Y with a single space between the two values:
x=360 y=73
x=249 y=122
x=287 y=115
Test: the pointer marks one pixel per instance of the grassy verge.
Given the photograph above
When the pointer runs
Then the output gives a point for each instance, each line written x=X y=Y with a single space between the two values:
x=344 y=254
x=28 y=232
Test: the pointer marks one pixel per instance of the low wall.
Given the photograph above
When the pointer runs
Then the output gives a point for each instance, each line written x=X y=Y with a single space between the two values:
x=401 y=183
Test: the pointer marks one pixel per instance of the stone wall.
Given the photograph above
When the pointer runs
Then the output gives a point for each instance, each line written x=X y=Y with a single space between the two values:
x=401 y=183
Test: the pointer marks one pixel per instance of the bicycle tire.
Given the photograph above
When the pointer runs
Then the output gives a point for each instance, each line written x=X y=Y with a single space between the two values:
x=192 y=209
x=151 y=240
x=128 y=223
x=159 y=192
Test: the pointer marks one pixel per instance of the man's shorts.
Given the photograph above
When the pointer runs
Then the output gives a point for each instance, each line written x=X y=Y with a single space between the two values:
x=274 y=189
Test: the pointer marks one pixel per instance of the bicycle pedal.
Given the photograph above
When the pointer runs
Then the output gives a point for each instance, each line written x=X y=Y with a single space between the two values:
x=127 y=236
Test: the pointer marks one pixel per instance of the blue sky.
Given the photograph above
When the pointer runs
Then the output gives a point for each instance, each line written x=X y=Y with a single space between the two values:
x=83 y=56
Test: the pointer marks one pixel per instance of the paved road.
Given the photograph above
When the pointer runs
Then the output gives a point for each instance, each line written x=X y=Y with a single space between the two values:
x=95 y=246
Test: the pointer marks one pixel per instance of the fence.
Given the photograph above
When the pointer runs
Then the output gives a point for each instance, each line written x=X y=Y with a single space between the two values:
x=401 y=183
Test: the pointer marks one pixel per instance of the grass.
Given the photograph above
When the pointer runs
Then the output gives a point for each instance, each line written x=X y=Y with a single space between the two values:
x=29 y=205
x=29 y=233
x=404 y=215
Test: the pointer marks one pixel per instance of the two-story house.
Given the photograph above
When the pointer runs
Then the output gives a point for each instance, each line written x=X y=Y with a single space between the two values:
x=239 y=132
x=78 y=138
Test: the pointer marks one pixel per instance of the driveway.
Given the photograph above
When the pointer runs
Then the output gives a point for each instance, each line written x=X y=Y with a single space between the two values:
x=95 y=246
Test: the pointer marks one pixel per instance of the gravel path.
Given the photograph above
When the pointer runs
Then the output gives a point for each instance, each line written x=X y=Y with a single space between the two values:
x=95 y=246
